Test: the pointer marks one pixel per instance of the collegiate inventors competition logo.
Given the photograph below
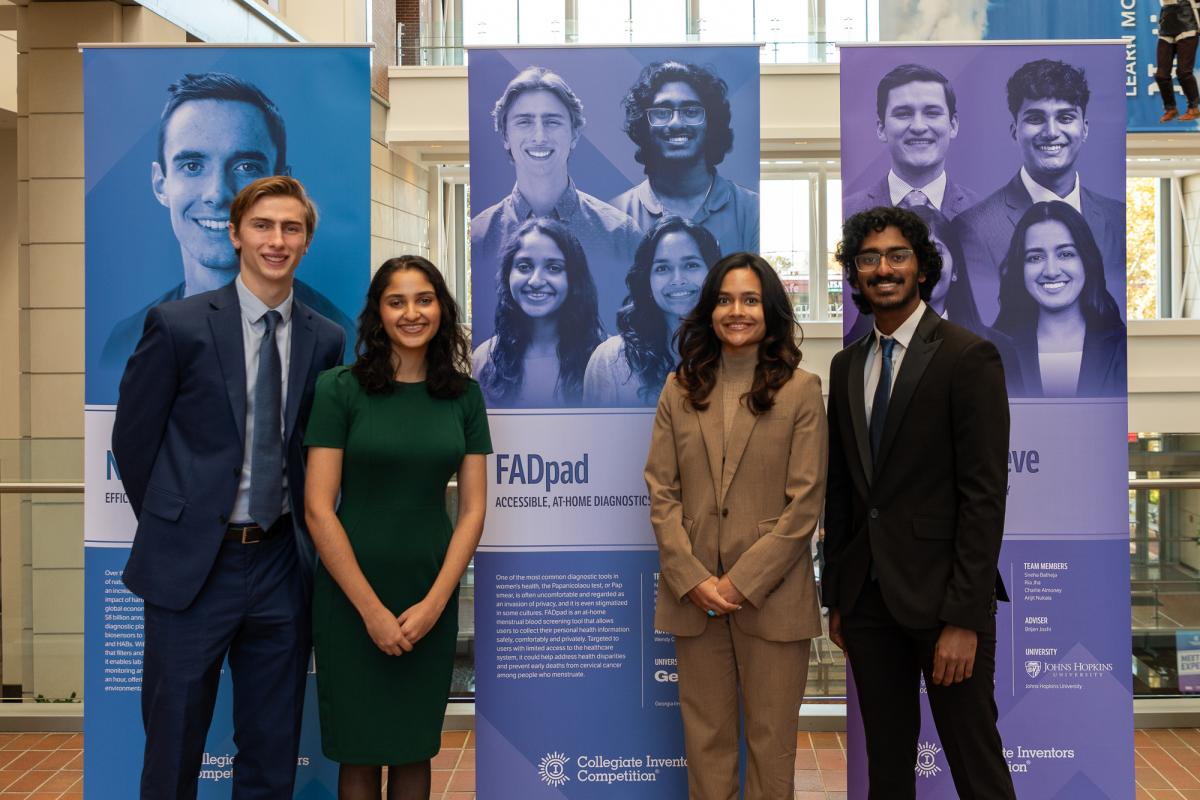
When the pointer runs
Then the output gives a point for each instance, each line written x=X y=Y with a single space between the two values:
x=927 y=765
x=554 y=768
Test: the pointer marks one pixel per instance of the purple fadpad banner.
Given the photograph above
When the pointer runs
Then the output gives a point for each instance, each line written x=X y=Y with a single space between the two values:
x=577 y=693
x=990 y=170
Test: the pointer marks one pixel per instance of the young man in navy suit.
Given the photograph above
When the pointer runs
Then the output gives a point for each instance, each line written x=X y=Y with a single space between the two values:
x=210 y=421
x=917 y=118
x=1048 y=101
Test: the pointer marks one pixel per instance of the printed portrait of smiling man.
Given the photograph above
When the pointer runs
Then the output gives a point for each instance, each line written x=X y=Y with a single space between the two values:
x=217 y=134
x=539 y=119
x=679 y=117
x=1048 y=101
x=917 y=119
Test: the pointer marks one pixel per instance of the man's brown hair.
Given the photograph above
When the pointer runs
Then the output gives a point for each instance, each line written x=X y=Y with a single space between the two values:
x=273 y=186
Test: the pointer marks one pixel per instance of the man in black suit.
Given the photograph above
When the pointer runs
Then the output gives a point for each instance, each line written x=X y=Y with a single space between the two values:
x=917 y=118
x=208 y=435
x=914 y=513
x=1048 y=101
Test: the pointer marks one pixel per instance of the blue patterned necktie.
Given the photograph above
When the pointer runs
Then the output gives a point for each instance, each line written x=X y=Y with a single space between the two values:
x=266 y=453
x=879 y=407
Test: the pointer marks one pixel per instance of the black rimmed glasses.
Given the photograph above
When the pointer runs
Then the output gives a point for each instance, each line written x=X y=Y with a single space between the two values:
x=896 y=257
x=661 y=116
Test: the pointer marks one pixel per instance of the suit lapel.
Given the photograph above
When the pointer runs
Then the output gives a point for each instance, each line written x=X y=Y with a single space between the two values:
x=1095 y=219
x=226 y=325
x=1017 y=199
x=744 y=421
x=304 y=342
x=711 y=422
x=920 y=352
x=954 y=201
x=858 y=403
x=881 y=194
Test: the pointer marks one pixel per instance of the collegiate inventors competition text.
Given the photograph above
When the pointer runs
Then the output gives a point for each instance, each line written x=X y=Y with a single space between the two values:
x=535 y=470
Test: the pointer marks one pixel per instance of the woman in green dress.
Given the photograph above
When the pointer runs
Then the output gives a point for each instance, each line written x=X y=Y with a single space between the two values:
x=386 y=434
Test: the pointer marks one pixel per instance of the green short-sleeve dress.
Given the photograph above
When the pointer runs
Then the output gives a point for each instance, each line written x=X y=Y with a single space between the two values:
x=400 y=450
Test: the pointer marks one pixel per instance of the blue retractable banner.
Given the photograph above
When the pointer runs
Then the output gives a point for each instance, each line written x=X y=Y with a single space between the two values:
x=576 y=691
x=157 y=232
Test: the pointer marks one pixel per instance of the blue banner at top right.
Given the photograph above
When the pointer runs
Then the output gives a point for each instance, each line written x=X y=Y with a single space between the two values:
x=1134 y=21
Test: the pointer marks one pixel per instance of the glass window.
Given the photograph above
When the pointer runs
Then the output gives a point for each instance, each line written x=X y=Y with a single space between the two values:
x=785 y=229
x=783 y=26
x=602 y=22
x=541 y=22
x=833 y=235
x=1142 y=247
x=1164 y=554
x=850 y=21
x=657 y=21
x=726 y=21
x=493 y=22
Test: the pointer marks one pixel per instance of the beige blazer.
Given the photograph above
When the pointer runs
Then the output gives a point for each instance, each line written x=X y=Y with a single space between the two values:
x=758 y=511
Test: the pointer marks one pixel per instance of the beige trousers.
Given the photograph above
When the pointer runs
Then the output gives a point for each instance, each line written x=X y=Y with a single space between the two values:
x=771 y=676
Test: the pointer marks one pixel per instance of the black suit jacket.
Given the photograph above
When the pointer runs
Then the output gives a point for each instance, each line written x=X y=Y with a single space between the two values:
x=956 y=200
x=929 y=512
x=180 y=429
x=986 y=230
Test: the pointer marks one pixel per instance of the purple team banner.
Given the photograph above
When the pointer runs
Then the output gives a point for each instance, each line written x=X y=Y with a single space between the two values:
x=579 y=274
x=1016 y=153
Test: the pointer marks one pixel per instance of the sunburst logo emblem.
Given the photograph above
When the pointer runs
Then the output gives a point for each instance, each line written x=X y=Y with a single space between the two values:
x=927 y=765
x=552 y=769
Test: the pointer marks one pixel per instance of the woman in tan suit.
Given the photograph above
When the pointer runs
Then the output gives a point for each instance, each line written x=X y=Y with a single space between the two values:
x=736 y=474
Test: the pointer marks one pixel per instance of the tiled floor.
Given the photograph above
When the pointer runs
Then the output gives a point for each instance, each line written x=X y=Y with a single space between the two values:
x=41 y=766
x=37 y=766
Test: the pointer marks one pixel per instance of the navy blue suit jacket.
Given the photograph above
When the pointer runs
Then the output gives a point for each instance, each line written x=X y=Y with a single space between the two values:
x=179 y=436
x=986 y=230
x=956 y=200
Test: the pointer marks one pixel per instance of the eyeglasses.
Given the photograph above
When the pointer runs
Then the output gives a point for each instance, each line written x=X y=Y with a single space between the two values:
x=661 y=116
x=869 y=262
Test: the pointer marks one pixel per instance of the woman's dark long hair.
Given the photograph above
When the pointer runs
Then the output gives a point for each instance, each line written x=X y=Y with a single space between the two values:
x=1018 y=310
x=700 y=349
x=448 y=356
x=578 y=320
x=960 y=302
x=641 y=323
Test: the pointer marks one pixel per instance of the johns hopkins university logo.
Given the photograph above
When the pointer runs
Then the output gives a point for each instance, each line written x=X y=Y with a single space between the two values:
x=927 y=765
x=552 y=769
x=1033 y=668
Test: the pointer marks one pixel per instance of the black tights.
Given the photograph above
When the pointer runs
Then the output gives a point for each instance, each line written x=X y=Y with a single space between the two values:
x=365 y=781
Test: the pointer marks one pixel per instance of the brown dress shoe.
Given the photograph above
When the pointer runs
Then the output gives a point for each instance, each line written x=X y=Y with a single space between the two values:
x=1189 y=115
x=1168 y=115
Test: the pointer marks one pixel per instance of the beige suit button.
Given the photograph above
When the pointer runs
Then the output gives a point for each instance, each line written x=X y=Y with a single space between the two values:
x=724 y=512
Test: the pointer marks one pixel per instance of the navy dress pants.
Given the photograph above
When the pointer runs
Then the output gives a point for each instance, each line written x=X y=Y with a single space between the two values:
x=253 y=608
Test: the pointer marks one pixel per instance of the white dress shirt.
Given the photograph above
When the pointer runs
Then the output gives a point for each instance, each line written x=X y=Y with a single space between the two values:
x=935 y=190
x=874 y=365
x=1041 y=194
x=253 y=330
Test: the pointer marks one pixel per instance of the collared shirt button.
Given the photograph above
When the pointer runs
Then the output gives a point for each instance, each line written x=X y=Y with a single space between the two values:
x=874 y=513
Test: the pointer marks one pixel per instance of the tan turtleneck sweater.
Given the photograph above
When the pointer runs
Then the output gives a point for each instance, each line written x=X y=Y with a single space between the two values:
x=735 y=380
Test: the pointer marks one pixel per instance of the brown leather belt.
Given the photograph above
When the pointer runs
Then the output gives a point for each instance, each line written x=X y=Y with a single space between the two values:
x=253 y=534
